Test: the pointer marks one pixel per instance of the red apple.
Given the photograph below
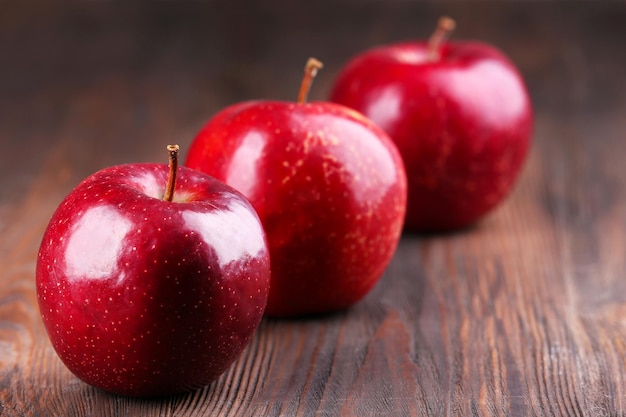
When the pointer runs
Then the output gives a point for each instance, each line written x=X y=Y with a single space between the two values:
x=146 y=295
x=328 y=185
x=460 y=115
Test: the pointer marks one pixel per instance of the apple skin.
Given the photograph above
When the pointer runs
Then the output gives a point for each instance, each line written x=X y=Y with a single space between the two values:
x=144 y=297
x=462 y=123
x=329 y=187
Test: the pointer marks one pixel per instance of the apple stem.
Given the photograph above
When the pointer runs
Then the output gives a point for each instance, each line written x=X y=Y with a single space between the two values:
x=171 y=178
x=445 y=26
x=310 y=71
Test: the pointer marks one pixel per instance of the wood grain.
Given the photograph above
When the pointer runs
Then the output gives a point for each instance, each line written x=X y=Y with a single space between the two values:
x=522 y=315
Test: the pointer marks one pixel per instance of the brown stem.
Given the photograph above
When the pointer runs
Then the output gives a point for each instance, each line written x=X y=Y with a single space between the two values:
x=171 y=178
x=310 y=71
x=445 y=26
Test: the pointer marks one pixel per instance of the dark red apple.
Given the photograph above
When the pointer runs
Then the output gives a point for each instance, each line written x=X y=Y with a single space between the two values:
x=328 y=185
x=144 y=294
x=460 y=115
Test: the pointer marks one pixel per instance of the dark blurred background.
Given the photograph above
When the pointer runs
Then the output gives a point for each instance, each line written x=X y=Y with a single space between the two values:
x=166 y=67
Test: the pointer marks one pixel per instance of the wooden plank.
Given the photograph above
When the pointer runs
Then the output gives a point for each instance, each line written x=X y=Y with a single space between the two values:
x=522 y=315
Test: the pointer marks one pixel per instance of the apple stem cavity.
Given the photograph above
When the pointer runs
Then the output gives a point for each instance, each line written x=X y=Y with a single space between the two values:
x=310 y=71
x=171 y=178
x=444 y=29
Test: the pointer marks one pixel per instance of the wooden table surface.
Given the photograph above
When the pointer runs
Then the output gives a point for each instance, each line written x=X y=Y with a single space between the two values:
x=522 y=315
